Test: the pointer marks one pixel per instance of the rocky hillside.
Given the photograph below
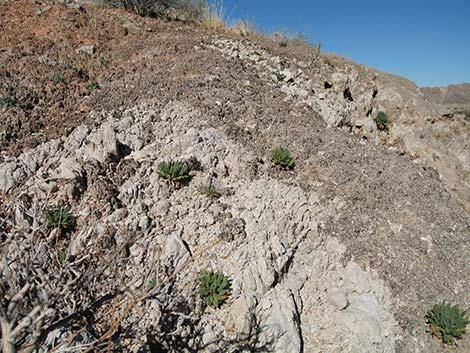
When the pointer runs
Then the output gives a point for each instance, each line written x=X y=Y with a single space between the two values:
x=345 y=252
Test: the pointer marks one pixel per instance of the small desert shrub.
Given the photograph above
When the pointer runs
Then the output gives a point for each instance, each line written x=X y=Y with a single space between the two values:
x=210 y=191
x=280 y=76
x=58 y=217
x=187 y=9
x=447 y=322
x=175 y=172
x=282 y=158
x=214 y=287
x=382 y=121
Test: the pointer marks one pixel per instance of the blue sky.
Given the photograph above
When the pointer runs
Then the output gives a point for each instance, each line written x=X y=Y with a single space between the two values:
x=425 y=41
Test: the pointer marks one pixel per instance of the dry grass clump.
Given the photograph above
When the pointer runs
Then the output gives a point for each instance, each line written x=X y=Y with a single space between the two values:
x=214 y=15
x=286 y=38
x=243 y=27
x=82 y=296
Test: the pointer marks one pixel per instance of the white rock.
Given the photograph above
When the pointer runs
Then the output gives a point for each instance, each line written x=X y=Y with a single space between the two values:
x=162 y=207
x=356 y=280
x=337 y=297
x=101 y=144
x=364 y=320
x=191 y=138
x=69 y=169
x=241 y=315
x=85 y=49
x=281 y=322
x=176 y=252
x=7 y=180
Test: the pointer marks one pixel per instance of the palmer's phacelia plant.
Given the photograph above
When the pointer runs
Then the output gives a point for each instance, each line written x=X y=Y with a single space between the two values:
x=59 y=217
x=93 y=85
x=280 y=76
x=282 y=157
x=175 y=172
x=214 y=288
x=382 y=121
x=210 y=191
x=447 y=322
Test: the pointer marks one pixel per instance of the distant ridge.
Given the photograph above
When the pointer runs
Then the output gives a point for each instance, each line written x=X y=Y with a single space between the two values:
x=450 y=95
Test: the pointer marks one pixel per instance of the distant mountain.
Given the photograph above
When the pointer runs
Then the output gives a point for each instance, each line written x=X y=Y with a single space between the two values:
x=450 y=95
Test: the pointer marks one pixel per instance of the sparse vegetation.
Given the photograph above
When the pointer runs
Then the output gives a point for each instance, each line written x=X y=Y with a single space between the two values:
x=58 y=78
x=92 y=86
x=61 y=257
x=213 y=15
x=9 y=100
x=280 y=76
x=59 y=217
x=175 y=172
x=214 y=288
x=286 y=36
x=282 y=157
x=329 y=62
x=137 y=251
x=211 y=191
x=465 y=112
x=382 y=121
x=177 y=9
x=245 y=27
x=447 y=322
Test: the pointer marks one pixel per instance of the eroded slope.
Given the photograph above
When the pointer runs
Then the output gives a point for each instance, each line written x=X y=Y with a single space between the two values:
x=346 y=252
